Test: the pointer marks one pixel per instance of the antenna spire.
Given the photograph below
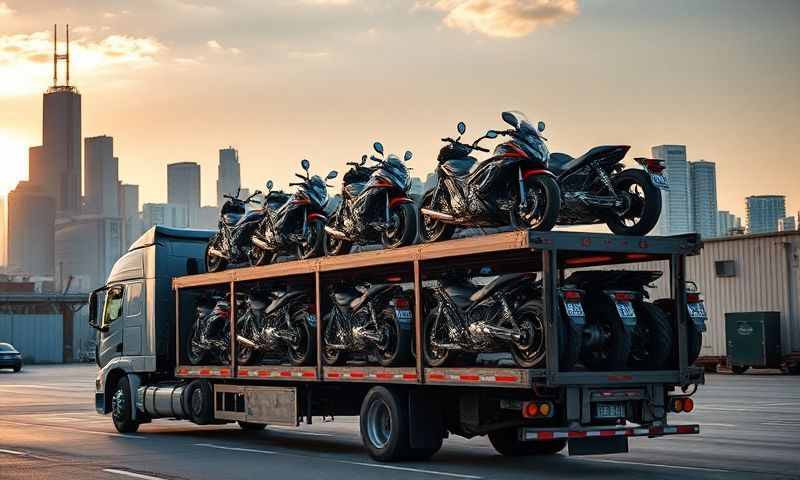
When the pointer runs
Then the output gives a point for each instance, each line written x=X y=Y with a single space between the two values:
x=59 y=56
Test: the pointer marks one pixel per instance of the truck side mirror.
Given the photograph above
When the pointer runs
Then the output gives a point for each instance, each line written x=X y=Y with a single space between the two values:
x=93 y=310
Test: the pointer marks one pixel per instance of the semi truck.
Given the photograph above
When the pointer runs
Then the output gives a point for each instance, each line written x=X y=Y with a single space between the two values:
x=144 y=312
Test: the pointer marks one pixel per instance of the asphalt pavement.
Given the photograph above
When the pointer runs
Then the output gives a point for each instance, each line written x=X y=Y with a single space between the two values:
x=750 y=428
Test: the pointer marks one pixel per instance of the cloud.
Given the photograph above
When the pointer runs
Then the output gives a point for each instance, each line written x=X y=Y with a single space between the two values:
x=335 y=3
x=217 y=47
x=305 y=55
x=214 y=45
x=5 y=10
x=502 y=18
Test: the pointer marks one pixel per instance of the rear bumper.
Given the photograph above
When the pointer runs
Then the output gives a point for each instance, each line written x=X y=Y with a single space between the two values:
x=10 y=362
x=543 y=434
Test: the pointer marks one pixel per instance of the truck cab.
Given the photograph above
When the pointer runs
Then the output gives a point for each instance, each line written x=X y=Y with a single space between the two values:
x=134 y=312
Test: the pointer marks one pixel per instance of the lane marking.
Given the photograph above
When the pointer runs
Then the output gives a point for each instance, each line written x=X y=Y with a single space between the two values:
x=786 y=404
x=54 y=427
x=22 y=454
x=643 y=464
x=726 y=425
x=345 y=462
x=132 y=474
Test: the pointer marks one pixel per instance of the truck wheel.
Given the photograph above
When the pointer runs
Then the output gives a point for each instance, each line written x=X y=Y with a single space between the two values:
x=384 y=425
x=395 y=347
x=507 y=442
x=610 y=344
x=251 y=427
x=303 y=352
x=122 y=407
x=653 y=339
x=198 y=398
x=17 y=368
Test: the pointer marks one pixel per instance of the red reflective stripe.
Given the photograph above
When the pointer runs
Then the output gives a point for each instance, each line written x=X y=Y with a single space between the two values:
x=334 y=375
x=204 y=371
x=263 y=373
x=409 y=376
x=607 y=433
x=384 y=375
x=285 y=373
x=509 y=378
x=244 y=372
x=183 y=371
x=357 y=374
x=576 y=434
x=436 y=376
x=469 y=378
x=619 y=378
x=309 y=373
x=225 y=372
x=546 y=435
x=687 y=429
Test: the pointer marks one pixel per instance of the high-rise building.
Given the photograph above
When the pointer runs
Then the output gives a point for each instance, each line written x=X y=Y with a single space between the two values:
x=102 y=176
x=37 y=167
x=676 y=210
x=228 y=174
x=787 y=224
x=703 y=185
x=209 y=217
x=132 y=227
x=31 y=223
x=727 y=223
x=167 y=214
x=764 y=211
x=183 y=188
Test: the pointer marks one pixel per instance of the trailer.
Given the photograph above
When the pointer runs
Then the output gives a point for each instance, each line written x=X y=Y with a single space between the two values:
x=406 y=411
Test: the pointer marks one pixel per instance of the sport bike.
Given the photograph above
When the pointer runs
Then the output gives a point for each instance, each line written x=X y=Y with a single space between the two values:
x=512 y=187
x=297 y=227
x=367 y=320
x=208 y=339
x=231 y=244
x=375 y=206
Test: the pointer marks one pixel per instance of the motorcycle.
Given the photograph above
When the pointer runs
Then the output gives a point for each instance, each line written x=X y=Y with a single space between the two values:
x=375 y=205
x=280 y=322
x=295 y=227
x=372 y=319
x=231 y=244
x=513 y=187
x=208 y=339
x=467 y=319
x=597 y=188
x=694 y=327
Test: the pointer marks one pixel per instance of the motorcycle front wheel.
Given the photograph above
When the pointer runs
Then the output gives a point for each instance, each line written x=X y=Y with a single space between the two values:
x=314 y=242
x=403 y=230
x=195 y=353
x=331 y=356
x=542 y=204
x=335 y=246
x=430 y=229
x=643 y=203
x=213 y=262
x=245 y=354
x=302 y=351
x=395 y=346
x=530 y=351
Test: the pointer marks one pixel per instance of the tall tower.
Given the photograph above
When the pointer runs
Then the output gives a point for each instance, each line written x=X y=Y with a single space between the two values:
x=676 y=209
x=703 y=185
x=102 y=176
x=228 y=174
x=764 y=211
x=183 y=188
x=61 y=139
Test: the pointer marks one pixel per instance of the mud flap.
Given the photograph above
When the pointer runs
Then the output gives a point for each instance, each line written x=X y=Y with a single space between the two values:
x=426 y=419
x=598 y=445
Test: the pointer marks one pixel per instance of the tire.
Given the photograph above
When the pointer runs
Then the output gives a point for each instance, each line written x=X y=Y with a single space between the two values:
x=507 y=443
x=122 y=403
x=305 y=351
x=434 y=357
x=331 y=356
x=530 y=316
x=431 y=230
x=651 y=347
x=546 y=188
x=405 y=232
x=396 y=351
x=251 y=427
x=570 y=342
x=246 y=355
x=384 y=425
x=17 y=368
x=616 y=348
x=259 y=257
x=334 y=246
x=314 y=242
x=214 y=264
x=694 y=337
x=647 y=209
x=195 y=356
x=739 y=369
x=198 y=400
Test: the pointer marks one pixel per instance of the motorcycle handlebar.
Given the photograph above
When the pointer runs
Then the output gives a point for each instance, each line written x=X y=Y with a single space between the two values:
x=480 y=149
x=296 y=184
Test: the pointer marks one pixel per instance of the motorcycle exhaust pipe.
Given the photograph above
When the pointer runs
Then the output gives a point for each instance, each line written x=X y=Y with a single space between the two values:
x=437 y=215
x=497 y=332
x=259 y=243
x=247 y=343
x=216 y=253
x=335 y=233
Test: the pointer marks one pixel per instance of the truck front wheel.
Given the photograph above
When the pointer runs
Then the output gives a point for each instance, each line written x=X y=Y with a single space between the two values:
x=121 y=407
x=508 y=443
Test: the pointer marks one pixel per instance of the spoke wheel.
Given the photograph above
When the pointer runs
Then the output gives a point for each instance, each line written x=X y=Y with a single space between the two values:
x=432 y=230
x=641 y=203
x=435 y=356
x=529 y=352
x=542 y=203
x=302 y=350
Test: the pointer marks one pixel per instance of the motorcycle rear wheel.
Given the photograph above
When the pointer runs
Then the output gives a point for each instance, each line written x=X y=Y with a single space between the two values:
x=214 y=263
x=543 y=191
x=615 y=348
x=530 y=317
x=431 y=230
x=396 y=349
x=259 y=256
x=246 y=355
x=404 y=231
x=194 y=354
x=653 y=338
x=644 y=207
x=314 y=245
x=303 y=352
x=331 y=356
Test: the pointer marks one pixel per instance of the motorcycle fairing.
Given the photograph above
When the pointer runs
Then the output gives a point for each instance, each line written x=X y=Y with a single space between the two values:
x=344 y=296
x=501 y=282
x=459 y=167
x=283 y=300
x=372 y=291
x=606 y=155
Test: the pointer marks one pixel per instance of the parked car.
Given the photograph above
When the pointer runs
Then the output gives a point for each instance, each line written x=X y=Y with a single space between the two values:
x=10 y=357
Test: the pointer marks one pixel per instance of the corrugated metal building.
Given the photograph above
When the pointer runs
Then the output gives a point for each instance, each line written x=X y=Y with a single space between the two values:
x=39 y=337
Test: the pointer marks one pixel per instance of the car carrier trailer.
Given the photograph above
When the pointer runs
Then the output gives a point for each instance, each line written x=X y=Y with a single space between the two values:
x=405 y=412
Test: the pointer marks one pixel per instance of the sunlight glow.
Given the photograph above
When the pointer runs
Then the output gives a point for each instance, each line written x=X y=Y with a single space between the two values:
x=13 y=161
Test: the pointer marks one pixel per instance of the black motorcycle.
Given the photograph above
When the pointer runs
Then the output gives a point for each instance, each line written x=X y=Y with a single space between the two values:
x=513 y=187
x=297 y=227
x=367 y=321
x=209 y=337
x=464 y=319
x=231 y=244
x=375 y=206
x=277 y=323
x=597 y=188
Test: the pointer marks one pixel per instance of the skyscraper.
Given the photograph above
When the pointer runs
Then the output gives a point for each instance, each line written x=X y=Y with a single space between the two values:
x=132 y=226
x=167 y=214
x=676 y=211
x=102 y=176
x=31 y=230
x=727 y=222
x=764 y=211
x=703 y=185
x=228 y=174
x=787 y=224
x=183 y=188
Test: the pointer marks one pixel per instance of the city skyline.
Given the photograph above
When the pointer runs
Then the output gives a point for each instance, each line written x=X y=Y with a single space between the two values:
x=142 y=78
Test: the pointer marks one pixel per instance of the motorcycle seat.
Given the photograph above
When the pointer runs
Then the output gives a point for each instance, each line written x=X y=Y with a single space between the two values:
x=498 y=283
x=461 y=292
x=257 y=304
x=373 y=290
x=344 y=297
x=561 y=163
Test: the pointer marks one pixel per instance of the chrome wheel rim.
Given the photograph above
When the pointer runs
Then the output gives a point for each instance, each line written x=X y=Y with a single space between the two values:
x=379 y=423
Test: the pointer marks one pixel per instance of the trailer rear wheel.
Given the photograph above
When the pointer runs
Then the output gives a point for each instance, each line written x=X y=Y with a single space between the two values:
x=122 y=407
x=384 y=425
x=508 y=443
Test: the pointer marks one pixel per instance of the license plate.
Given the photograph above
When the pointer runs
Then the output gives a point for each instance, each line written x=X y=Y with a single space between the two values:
x=403 y=314
x=574 y=309
x=659 y=181
x=609 y=410
x=697 y=310
x=625 y=310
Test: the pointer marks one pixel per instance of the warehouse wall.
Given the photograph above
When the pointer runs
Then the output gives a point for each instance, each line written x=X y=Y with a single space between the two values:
x=38 y=337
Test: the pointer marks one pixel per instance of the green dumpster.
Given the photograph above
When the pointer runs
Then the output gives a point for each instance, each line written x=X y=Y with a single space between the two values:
x=753 y=340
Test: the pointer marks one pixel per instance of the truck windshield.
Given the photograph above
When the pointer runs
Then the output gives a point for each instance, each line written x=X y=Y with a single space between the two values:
x=113 y=308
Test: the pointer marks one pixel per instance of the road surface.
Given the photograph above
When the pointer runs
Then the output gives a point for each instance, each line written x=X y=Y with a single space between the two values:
x=48 y=429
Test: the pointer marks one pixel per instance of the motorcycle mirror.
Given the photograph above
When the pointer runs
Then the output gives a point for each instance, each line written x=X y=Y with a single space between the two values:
x=238 y=191
x=491 y=134
x=269 y=185
x=305 y=164
x=331 y=175
x=408 y=155
x=378 y=146
x=540 y=126
x=462 y=127
x=363 y=159
x=510 y=119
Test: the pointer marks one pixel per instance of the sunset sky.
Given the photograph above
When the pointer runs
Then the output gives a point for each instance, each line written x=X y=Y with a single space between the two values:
x=282 y=80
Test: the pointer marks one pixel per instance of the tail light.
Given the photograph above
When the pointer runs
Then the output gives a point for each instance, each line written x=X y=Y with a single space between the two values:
x=394 y=279
x=537 y=409
x=623 y=296
x=652 y=165
x=693 y=298
x=682 y=404
x=572 y=295
x=401 y=302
